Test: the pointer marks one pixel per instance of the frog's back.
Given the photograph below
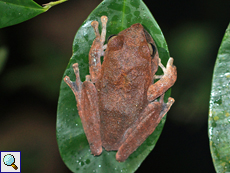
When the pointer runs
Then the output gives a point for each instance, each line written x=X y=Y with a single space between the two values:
x=122 y=88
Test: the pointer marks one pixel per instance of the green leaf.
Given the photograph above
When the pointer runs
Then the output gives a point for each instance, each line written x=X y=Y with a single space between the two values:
x=72 y=142
x=219 y=112
x=16 y=11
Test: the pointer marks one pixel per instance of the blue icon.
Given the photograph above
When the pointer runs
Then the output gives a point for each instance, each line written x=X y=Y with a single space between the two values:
x=9 y=160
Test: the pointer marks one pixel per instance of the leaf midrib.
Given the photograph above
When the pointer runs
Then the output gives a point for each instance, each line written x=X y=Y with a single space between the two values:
x=123 y=14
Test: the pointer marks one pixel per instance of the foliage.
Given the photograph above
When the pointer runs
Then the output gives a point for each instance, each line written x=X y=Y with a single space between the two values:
x=16 y=11
x=219 y=115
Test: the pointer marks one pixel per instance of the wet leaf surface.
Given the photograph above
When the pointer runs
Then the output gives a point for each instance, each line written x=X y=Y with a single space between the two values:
x=219 y=113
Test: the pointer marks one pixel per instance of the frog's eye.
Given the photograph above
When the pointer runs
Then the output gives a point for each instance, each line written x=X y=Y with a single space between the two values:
x=111 y=37
x=152 y=49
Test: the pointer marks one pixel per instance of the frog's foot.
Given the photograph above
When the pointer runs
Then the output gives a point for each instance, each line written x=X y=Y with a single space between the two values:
x=97 y=49
x=163 y=69
x=166 y=81
x=143 y=127
x=77 y=85
x=87 y=104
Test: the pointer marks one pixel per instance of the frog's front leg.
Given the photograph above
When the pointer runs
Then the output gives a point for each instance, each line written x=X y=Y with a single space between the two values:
x=97 y=50
x=87 y=104
x=143 y=127
x=166 y=81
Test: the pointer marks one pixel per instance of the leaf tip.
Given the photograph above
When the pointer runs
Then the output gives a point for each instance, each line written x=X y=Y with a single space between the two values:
x=51 y=4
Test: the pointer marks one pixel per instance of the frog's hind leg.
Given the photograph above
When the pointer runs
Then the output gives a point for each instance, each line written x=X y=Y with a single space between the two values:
x=87 y=104
x=166 y=81
x=97 y=50
x=143 y=127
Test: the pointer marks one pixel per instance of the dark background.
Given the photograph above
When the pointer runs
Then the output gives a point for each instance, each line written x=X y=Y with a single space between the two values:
x=39 y=51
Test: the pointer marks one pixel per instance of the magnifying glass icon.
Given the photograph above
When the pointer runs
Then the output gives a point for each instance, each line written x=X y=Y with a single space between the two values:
x=9 y=160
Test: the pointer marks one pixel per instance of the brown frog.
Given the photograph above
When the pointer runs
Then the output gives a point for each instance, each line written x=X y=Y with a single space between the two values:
x=118 y=103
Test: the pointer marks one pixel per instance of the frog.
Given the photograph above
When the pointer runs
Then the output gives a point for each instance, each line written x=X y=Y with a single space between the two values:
x=121 y=101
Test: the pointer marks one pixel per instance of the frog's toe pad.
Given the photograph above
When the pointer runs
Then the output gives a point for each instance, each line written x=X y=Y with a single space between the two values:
x=96 y=151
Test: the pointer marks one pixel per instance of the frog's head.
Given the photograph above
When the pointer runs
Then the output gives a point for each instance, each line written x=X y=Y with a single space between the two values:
x=134 y=38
